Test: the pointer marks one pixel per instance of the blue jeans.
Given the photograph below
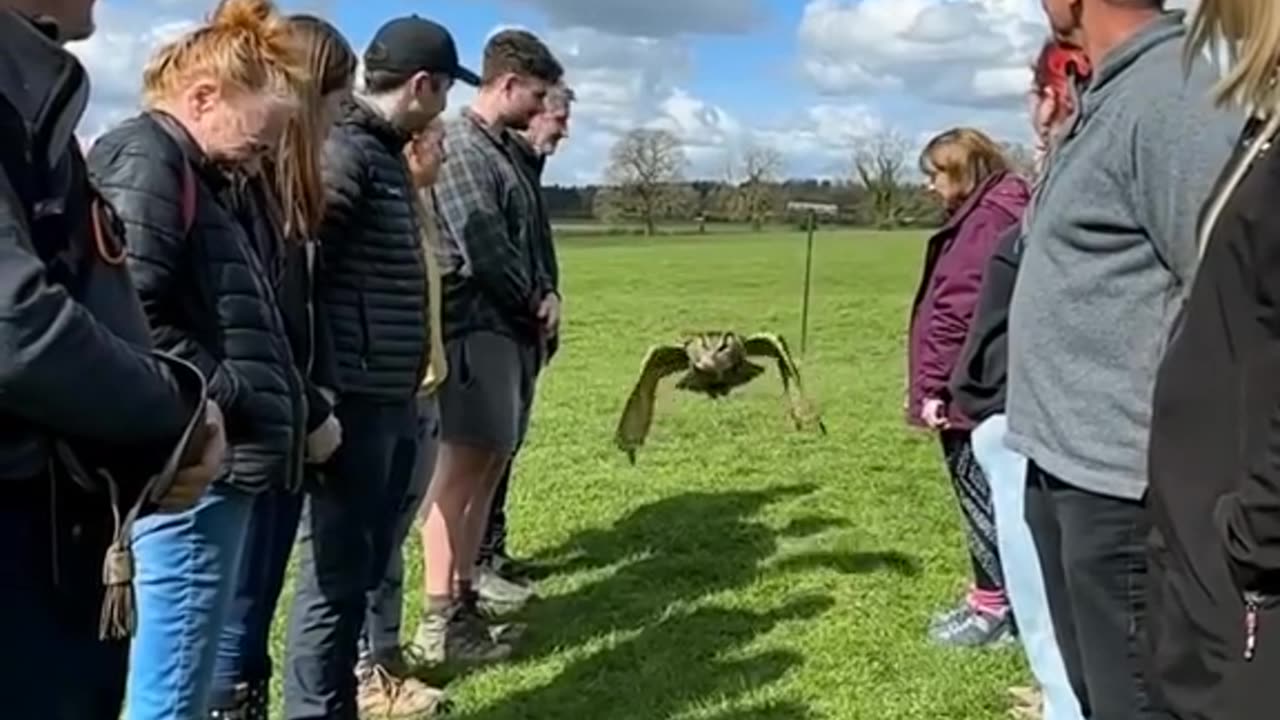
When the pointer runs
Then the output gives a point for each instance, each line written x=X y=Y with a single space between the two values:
x=1006 y=472
x=244 y=654
x=344 y=545
x=187 y=565
x=415 y=459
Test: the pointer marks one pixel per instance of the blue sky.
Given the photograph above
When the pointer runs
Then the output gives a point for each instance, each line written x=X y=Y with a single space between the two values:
x=812 y=78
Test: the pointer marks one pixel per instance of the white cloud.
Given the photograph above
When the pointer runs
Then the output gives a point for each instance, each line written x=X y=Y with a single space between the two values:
x=967 y=52
x=126 y=36
x=655 y=18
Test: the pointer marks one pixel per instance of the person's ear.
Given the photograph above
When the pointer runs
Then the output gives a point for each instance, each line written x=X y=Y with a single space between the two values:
x=420 y=84
x=201 y=98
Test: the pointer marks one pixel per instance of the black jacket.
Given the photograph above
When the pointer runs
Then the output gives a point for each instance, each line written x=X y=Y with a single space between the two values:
x=211 y=294
x=308 y=330
x=76 y=361
x=547 y=277
x=981 y=374
x=1214 y=466
x=373 y=283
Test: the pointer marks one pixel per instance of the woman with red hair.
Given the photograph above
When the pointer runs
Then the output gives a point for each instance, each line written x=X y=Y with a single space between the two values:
x=978 y=391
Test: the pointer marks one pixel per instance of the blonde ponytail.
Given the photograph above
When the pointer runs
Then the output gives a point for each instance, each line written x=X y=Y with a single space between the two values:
x=246 y=44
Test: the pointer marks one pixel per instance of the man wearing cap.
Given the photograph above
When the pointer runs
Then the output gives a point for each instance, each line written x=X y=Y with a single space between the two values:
x=373 y=287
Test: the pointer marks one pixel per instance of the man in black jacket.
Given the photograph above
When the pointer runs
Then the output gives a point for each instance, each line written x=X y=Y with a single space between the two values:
x=530 y=148
x=373 y=291
x=76 y=372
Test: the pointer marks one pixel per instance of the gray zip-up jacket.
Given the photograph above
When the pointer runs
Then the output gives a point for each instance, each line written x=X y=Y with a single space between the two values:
x=1109 y=257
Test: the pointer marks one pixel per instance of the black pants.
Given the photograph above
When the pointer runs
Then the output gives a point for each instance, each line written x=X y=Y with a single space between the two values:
x=973 y=492
x=1093 y=555
x=52 y=664
x=495 y=534
x=344 y=544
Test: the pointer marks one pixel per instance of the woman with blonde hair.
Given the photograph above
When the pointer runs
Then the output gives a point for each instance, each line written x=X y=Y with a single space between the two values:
x=983 y=199
x=1214 y=454
x=201 y=251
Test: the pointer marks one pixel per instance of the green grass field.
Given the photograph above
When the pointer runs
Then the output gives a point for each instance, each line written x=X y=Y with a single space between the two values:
x=741 y=570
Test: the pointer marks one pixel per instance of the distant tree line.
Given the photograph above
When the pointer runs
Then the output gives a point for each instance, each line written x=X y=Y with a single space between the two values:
x=645 y=185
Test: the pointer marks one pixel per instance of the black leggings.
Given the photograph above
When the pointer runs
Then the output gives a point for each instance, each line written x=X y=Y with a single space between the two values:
x=974 y=494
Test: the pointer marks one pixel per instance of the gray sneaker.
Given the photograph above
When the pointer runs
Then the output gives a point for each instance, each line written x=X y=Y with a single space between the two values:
x=950 y=618
x=457 y=636
x=978 y=629
x=498 y=594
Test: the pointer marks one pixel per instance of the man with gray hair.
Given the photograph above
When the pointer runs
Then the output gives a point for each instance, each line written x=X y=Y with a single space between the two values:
x=1108 y=260
x=531 y=148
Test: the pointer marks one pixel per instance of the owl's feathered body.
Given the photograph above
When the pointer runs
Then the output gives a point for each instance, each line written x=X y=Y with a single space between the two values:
x=713 y=364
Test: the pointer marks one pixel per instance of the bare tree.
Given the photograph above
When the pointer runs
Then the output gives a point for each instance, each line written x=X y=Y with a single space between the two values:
x=879 y=165
x=754 y=178
x=1022 y=158
x=645 y=172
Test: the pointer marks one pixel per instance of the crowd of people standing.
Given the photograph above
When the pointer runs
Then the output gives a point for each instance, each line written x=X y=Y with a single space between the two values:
x=1100 y=366
x=263 y=320
x=287 y=312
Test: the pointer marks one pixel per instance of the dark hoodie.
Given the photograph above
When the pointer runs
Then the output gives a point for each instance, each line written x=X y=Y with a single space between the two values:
x=532 y=163
x=978 y=385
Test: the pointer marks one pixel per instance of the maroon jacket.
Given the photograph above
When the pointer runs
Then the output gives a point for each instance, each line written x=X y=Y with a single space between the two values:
x=954 y=262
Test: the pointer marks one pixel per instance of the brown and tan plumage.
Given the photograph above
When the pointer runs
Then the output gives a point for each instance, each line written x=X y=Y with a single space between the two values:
x=714 y=364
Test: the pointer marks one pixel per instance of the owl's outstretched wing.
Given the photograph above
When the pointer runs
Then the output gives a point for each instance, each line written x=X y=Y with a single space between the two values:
x=637 y=415
x=774 y=346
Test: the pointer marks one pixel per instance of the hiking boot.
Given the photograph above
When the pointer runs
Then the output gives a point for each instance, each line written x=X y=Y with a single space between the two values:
x=457 y=636
x=978 y=629
x=251 y=703
x=509 y=568
x=498 y=594
x=381 y=694
x=505 y=633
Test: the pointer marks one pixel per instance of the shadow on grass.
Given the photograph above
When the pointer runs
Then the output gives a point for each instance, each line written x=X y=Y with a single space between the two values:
x=665 y=558
x=686 y=659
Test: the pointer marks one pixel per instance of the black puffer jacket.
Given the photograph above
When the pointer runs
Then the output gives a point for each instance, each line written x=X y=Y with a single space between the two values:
x=209 y=297
x=373 y=284
x=76 y=360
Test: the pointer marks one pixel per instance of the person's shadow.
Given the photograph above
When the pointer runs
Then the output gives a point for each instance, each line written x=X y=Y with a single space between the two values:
x=657 y=567
x=673 y=665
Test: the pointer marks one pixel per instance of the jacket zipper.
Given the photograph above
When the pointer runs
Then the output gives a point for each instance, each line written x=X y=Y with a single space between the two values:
x=267 y=292
x=1254 y=603
x=309 y=249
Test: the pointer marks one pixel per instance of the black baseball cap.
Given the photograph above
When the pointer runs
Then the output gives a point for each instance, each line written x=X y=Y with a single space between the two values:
x=407 y=45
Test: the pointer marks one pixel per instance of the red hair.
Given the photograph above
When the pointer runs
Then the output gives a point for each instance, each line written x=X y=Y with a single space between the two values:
x=1056 y=68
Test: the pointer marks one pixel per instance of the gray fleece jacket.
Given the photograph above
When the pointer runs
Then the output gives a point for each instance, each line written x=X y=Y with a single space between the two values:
x=1110 y=255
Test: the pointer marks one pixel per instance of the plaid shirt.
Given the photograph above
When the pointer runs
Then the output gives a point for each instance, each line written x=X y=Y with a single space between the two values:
x=487 y=212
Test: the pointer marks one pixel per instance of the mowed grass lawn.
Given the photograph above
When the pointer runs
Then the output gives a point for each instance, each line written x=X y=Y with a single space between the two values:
x=741 y=570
